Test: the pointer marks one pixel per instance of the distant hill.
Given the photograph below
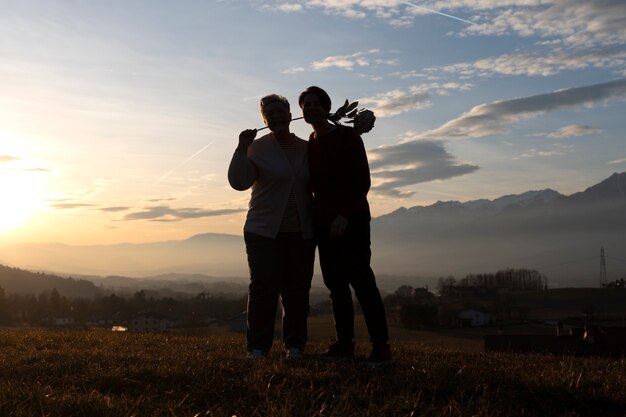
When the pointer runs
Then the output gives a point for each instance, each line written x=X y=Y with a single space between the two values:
x=175 y=284
x=210 y=253
x=557 y=234
x=17 y=281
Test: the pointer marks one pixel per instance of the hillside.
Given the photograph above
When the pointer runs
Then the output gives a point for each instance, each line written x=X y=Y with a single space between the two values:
x=17 y=281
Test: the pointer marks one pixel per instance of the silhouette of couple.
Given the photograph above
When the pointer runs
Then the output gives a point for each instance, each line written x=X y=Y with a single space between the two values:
x=308 y=194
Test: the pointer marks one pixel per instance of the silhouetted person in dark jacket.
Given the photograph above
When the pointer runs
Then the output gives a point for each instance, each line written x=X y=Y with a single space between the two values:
x=340 y=180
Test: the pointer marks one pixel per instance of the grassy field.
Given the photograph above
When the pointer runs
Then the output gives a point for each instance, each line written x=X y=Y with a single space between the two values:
x=99 y=373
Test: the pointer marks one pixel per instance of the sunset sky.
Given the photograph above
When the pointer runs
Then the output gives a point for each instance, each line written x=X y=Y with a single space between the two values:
x=118 y=119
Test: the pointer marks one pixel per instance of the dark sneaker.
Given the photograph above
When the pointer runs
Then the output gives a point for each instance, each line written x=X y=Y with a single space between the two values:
x=294 y=353
x=255 y=354
x=339 y=350
x=380 y=356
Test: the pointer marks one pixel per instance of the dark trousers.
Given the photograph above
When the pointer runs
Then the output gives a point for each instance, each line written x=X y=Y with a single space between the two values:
x=278 y=267
x=345 y=262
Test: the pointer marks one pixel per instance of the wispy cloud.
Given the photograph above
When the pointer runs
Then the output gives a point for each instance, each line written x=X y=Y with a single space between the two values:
x=571 y=131
x=396 y=13
x=420 y=157
x=412 y=162
x=534 y=153
x=579 y=23
x=572 y=22
x=439 y=13
x=498 y=117
x=535 y=64
x=8 y=158
x=114 y=209
x=70 y=206
x=21 y=162
x=284 y=7
x=159 y=200
x=346 y=62
x=404 y=75
x=294 y=70
x=617 y=161
x=166 y=213
x=394 y=102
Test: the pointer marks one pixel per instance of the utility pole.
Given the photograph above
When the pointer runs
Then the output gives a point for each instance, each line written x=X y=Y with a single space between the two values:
x=603 y=279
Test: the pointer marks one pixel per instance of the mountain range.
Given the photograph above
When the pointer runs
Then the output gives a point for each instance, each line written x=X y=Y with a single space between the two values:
x=558 y=235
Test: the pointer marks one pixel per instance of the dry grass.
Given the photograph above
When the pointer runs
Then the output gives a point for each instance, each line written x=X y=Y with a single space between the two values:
x=91 y=373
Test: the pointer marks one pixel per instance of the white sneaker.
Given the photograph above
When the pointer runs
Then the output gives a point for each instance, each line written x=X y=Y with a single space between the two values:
x=294 y=353
x=255 y=354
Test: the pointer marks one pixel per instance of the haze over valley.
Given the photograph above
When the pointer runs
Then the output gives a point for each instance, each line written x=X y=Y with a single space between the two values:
x=556 y=234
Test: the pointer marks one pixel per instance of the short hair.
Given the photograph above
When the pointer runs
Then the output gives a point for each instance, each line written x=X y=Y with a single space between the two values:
x=273 y=98
x=321 y=94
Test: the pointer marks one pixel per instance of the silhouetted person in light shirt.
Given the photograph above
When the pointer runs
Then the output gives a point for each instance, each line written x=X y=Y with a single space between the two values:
x=340 y=180
x=278 y=231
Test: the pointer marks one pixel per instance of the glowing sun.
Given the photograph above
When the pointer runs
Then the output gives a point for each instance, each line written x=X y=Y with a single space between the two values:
x=20 y=196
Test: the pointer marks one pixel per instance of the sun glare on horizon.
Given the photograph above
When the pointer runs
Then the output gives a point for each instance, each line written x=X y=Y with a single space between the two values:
x=21 y=196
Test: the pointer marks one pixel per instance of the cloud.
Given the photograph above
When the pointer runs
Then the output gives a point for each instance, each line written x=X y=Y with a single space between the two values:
x=395 y=13
x=409 y=74
x=159 y=200
x=420 y=158
x=496 y=118
x=284 y=7
x=9 y=159
x=534 y=153
x=114 y=209
x=534 y=64
x=571 y=131
x=417 y=97
x=395 y=102
x=412 y=162
x=293 y=70
x=577 y=23
x=617 y=161
x=574 y=23
x=347 y=8
x=166 y=213
x=346 y=62
x=70 y=206
x=389 y=62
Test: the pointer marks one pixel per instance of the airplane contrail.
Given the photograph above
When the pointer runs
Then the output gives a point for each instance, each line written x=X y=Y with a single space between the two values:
x=167 y=174
x=439 y=13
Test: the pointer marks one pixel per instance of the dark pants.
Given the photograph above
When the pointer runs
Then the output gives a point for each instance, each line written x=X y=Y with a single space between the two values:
x=278 y=267
x=345 y=262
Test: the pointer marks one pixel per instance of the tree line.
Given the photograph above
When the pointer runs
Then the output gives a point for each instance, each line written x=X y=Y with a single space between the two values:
x=37 y=309
x=417 y=308
x=511 y=279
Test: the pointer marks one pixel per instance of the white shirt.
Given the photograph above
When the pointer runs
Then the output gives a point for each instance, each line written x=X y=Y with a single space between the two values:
x=272 y=176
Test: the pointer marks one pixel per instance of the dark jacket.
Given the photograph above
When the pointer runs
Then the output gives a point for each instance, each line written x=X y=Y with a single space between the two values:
x=340 y=175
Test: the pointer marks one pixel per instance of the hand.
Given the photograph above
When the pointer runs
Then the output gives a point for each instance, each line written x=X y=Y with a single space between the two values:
x=338 y=227
x=364 y=121
x=245 y=139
